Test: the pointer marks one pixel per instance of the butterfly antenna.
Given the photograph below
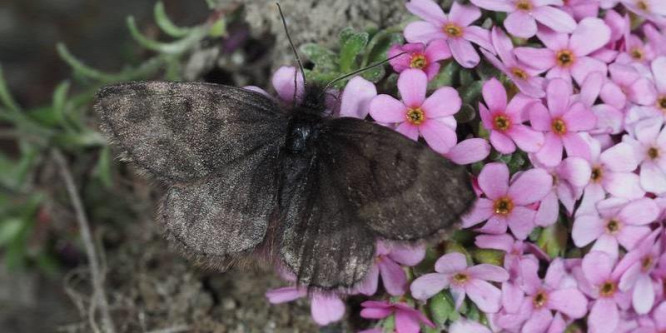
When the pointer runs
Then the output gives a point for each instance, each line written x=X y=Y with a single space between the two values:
x=293 y=48
x=340 y=78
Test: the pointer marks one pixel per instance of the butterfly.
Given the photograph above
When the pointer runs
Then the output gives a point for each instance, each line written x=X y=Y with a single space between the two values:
x=247 y=175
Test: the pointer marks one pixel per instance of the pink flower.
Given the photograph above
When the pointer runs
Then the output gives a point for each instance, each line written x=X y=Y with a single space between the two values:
x=420 y=56
x=618 y=221
x=515 y=250
x=653 y=10
x=505 y=122
x=658 y=110
x=469 y=151
x=524 y=15
x=566 y=56
x=527 y=79
x=387 y=264
x=562 y=122
x=612 y=172
x=407 y=319
x=356 y=97
x=324 y=308
x=638 y=266
x=454 y=28
x=655 y=323
x=569 y=179
x=600 y=281
x=581 y=9
x=430 y=117
x=283 y=82
x=454 y=273
x=649 y=142
x=627 y=85
x=636 y=51
x=556 y=293
x=609 y=119
x=507 y=204
x=463 y=325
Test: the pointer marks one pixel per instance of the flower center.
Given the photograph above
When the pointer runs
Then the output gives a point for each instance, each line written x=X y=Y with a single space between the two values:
x=503 y=206
x=637 y=54
x=565 y=58
x=524 y=5
x=460 y=278
x=501 y=122
x=453 y=30
x=646 y=263
x=418 y=61
x=415 y=116
x=642 y=5
x=661 y=103
x=608 y=289
x=540 y=299
x=519 y=73
x=559 y=126
x=613 y=226
x=597 y=173
x=653 y=153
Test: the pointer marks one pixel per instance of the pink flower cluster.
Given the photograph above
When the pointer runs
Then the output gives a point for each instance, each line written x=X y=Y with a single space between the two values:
x=578 y=222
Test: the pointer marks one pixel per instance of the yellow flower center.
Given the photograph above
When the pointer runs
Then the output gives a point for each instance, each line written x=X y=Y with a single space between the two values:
x=501 y=122
x=540 y=299
x=418 y=61
x=559 y=126
x=460 y=278
x=637 y=54
x=661 y=103
x=565 y=58
x=453 y=30
x=597 y=174
x=503 y=206
x=642 y=5
x=613 y=226
x=524 y=5
x=608 y=289
x=653 y=153
x=415 y=116
x=519 y=73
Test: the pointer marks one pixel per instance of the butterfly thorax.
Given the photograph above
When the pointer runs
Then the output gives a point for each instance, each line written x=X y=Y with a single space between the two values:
x=302 y=132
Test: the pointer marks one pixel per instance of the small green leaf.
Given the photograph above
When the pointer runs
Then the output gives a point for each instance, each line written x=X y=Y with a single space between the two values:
x=553 y=240
x=10 y=229
x=378 y=46
x=446 y=76
x=59 y=101
x=323 y=58
x=471 y=93
x=163 y=21
x=466 y=114
x=488 y=256
x=103 y=169
x=440 y=308
x=218 y=29
x=176 y=47
x=375 y=74
x=351 y=45
x=87 y=138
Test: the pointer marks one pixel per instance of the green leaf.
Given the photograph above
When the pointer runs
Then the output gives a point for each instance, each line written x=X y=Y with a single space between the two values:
x=466 y=114
x=441 y=308
x=378 y=46
x=352 y=43
x=553 y=240
x=176 y=47
x=5 y=96
x=87 y=138
x=323 y=58
x=163 y=21
x=59 y=100
x=446 y=76
x=218 y=29
x=103 y=169
x=375 y=74
x=488 y=256
x=471 y=93
x=10 y=229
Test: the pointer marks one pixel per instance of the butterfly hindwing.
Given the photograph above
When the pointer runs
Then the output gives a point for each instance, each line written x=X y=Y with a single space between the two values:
x=185 y=131
x=225 y=215
x=402 y=190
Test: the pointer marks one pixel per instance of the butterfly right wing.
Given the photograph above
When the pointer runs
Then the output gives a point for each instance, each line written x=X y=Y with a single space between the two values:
x=184 y=131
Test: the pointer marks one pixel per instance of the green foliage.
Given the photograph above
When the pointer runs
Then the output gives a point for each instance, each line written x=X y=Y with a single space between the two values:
x=358 y=50
x=65 y=124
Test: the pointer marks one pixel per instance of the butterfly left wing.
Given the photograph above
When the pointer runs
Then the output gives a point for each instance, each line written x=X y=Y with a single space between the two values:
x=365 y=182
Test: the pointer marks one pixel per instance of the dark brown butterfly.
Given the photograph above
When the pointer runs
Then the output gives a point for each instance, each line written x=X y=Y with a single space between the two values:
x=247 y=175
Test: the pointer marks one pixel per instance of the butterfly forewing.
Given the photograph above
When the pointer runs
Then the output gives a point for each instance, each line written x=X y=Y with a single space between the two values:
x=187 y=131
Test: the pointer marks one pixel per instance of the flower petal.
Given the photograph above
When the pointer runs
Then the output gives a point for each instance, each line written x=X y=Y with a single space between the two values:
x=443 y=102
x=438 y=135
x=554 y=18
x=502 y=143
x=521 y=222
x=408 y=130
x=551 y=152
x=464 y=15
x=585 y=66
x=604 y=316
x=531 y=186
x=326 y=309
x=368 y=286
x=586 y=229
x=464 y=52
x=576 y=146
x=451 y=263
x=423 y=32
x=570 y=302
x=623 y=185
x=619 y=158
x=469 y=151
x=579 y=118
x=412 y=85
x=427 y=10
x=386 y=109
x=494 y=180
x=559 y=95
x=428 y=285
x=481 y=211
x=537 y=58
x=520 y=24
x=494 y=95
x=597 y=267
x=285 y=294
x=643 y=296
x=486 y=296
x=527 y=139
x=488 y=272
x=639 y=212
x=495 y=5
x=393 y=277
x=590 y=35
x=283 y=82
x=355 y=100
